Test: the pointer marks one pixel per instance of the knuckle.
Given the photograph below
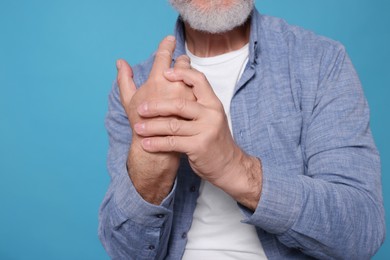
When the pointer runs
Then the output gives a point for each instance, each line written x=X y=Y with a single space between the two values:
x=154 y=106
x=184 y=58
x=176 y=88
x=183 y=61
x=180 y=90
x=180 y=104
x=163 y=44
x=174 y=126
x=171 y=143
x=220 y=121
x=154 y=81
x=163 y=54
x=220 y=116
x=213 y=135
x=180 y=64
x=201 y=78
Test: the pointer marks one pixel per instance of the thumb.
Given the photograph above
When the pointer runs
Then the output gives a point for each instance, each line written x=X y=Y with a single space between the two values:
x=125 y=80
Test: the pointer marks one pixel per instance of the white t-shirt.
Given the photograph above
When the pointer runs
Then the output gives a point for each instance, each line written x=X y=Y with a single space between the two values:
x=216 y=231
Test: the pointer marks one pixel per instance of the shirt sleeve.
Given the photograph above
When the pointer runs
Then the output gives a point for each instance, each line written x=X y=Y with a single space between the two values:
x=128 y=225
x=334 y=208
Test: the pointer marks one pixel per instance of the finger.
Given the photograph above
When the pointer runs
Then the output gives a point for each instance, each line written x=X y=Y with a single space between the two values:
x=183 y=62
x=168 y=144
x=197 y=80
x=163 y=56
x=169 y=126
x=181 y=107
x=126 y=84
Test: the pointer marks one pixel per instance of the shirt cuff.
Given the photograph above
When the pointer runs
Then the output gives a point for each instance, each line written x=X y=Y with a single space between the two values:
x=132 y=206
x=280 y=202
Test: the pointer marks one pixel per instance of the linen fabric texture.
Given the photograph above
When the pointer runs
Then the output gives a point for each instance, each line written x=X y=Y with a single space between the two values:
x=300 y=108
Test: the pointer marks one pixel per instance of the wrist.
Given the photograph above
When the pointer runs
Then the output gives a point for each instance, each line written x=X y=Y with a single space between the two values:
x=243 y=180
x=152 y=175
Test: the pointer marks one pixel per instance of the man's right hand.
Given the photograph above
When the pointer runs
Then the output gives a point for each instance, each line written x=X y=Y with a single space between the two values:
x=152 y=174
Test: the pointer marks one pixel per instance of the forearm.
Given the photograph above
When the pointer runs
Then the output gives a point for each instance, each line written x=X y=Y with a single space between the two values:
x=152 y=175
x=243 y=181
x=323 y=217
x=128 y=225
x=338 y=222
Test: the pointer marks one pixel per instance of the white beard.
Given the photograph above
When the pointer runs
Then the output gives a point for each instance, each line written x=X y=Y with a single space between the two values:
x=214 y=18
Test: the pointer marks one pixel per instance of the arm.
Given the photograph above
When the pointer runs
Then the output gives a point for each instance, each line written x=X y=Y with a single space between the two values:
x=129 y=225
x=334 y=209
x=136 y=214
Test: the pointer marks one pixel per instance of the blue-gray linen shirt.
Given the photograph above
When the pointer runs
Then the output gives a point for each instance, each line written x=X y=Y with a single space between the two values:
x=300 y=108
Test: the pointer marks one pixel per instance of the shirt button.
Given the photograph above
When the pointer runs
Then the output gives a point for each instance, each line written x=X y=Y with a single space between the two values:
x=184 y=235
x=193 y=189
x=160 y=215
x=152 y=247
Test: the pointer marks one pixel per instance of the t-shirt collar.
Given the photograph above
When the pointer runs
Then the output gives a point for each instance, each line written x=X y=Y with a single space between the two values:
x=253 y=38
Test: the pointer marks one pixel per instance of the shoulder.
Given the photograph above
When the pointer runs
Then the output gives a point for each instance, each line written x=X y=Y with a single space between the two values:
x=309 y=55
x=281 y=38
x=278 y=29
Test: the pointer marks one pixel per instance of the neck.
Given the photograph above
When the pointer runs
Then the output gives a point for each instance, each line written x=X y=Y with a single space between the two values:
x=203 y=44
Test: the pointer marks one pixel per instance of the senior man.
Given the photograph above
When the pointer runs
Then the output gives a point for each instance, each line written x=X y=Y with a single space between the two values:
x=243 y=137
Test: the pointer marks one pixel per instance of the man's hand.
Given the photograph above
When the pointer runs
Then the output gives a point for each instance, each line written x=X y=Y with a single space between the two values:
x=152 y=174
x=200 y=130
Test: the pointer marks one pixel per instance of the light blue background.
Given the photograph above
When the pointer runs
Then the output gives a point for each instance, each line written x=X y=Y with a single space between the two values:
x=57 y=64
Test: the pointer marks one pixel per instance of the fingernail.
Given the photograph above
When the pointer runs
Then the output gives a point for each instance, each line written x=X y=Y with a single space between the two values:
x=118 y=64
x=169 y=71
x=139 y=127
x=146 y=143
x=171 y=38
x=143 y=108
